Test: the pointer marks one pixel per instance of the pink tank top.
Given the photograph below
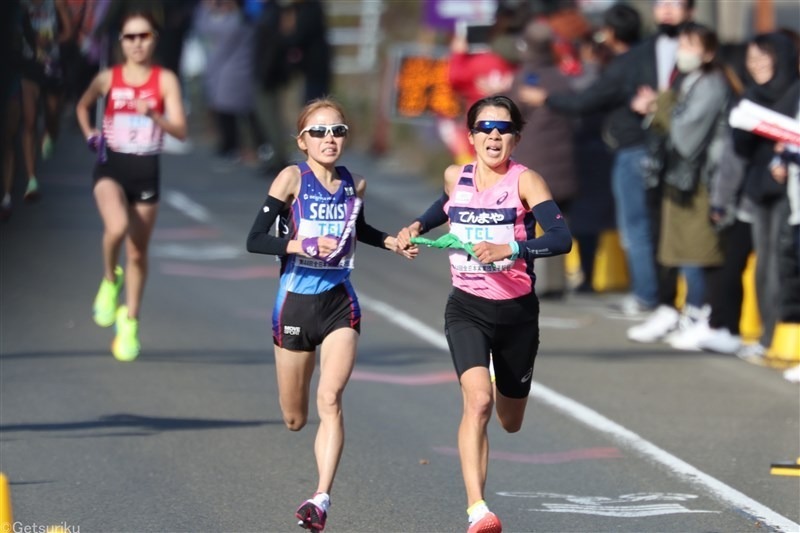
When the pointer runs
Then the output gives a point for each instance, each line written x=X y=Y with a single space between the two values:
x=494 y=215
x=123 y=127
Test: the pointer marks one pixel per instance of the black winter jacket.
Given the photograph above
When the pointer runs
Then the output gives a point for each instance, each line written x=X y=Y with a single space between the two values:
x=611 y=93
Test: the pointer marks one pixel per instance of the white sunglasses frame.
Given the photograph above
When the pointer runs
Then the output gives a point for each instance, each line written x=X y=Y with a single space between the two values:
x=328 y=130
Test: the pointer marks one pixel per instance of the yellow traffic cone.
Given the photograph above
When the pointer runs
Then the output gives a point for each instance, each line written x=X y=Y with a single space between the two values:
x=6 y=516
x=572 y=265
x=785 y=469
x=610 y=268
x=750 y=320
x=786 y=343
x=681 y=290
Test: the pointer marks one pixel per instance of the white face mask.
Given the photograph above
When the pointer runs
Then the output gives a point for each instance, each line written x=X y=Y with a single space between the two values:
x=688 y=61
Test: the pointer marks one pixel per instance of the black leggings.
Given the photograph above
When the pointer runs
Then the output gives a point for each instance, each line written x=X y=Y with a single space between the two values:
x=725 y=283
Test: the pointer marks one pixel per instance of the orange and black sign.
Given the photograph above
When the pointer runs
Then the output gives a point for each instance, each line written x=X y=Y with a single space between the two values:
x=421 y=87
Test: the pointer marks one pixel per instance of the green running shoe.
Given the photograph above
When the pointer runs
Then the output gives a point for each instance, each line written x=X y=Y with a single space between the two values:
x=32 y=190
x=47 y=147
x=125 y=345
x=105 y=303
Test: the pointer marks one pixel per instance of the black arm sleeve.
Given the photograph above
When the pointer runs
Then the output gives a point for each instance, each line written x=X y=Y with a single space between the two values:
x=434 y=216
x=367 y=234
x=260 y=241
x=556 y=240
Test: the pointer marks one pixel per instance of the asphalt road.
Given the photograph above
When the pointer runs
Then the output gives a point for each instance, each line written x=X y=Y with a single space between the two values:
x=618 y=436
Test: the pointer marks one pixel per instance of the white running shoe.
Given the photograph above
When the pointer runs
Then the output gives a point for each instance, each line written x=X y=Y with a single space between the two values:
x=631 y=307
x=721 y=341
x=688 y=338
x=663 y=320
x=792 y=374
x=690 y=316
x=752 y=351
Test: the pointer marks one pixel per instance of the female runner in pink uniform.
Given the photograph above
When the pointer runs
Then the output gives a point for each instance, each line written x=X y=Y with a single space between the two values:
x=493 y=203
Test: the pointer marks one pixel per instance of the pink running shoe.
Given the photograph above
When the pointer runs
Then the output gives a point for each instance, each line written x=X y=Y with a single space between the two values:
x=310 y=516
x=488 y=524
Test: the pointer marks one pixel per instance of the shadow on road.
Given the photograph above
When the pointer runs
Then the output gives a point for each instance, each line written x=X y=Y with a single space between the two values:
x=215 y=357
x=148 y=424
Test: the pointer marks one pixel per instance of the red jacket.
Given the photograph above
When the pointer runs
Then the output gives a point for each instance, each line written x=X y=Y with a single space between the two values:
x=474 y=76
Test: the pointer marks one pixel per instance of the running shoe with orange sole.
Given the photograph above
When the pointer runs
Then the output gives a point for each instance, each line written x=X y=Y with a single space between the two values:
x=488 y=524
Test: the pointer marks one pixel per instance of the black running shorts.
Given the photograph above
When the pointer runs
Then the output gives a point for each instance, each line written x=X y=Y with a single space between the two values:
x=508 y=329
x=300 y=322
x=138 y=175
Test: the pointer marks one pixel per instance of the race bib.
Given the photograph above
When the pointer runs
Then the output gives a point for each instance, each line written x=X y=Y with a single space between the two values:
x=495 y=234
x=135 y=134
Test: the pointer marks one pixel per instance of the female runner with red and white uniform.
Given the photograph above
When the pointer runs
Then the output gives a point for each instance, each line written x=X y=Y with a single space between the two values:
x=494 y=204
x=139 y=98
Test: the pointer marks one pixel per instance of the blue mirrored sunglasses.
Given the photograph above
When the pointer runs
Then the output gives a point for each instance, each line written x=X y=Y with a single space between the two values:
x=487 y=126
x=318 y=131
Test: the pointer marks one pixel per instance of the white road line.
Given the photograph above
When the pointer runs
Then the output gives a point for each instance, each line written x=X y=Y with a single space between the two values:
x=405 y=321
x=187 y=206
x=624 y=437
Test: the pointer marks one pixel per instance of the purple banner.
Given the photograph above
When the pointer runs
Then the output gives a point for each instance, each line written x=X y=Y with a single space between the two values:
x=442 y=14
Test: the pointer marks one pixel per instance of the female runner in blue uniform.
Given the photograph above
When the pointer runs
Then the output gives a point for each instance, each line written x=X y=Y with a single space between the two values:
x=318 y=204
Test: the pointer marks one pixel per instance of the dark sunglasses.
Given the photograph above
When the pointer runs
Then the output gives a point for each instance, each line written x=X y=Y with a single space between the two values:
x=319 y=131
x=131 y=37
x=487 y=126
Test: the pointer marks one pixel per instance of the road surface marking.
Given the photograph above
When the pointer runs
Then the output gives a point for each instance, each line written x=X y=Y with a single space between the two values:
x=552 y=458
x=432 y=378
x=195 y=252
x=637 y=505
x=187 y=206
x=209 y=272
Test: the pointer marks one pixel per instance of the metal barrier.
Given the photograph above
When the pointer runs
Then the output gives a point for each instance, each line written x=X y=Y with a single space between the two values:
x=355 y=34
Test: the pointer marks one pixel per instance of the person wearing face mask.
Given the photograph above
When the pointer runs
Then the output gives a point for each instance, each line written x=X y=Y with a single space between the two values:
x=694 y=128
x=653 y=75
x=772 y=64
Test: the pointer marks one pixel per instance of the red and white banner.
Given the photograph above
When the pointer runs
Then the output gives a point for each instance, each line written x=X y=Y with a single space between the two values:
x=749 y=116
